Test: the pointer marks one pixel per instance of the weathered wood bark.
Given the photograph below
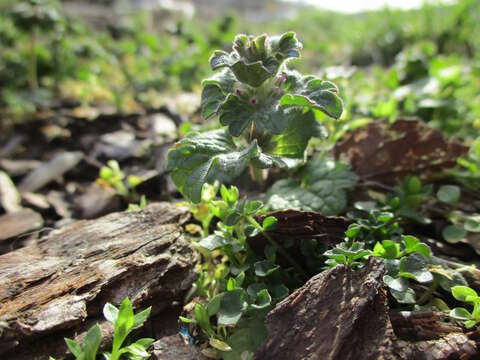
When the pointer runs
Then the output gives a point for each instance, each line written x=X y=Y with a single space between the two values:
x=58 y=287
x=342 y=314
x=174 y=347
x=18 y=223
x=296 y=226
x=338 y=314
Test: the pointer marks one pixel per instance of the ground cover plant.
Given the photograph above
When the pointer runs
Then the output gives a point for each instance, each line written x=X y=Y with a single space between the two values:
x=372 y=162
x=265 y=108
x=124 y=321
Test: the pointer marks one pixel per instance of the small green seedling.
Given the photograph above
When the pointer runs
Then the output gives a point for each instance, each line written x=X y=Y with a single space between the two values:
x=268 y=111
x=112 y=175
x=124 y=321
x=467 y=295
x=351 y=255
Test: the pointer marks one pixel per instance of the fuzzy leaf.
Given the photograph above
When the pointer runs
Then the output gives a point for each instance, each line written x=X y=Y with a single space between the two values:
x=292 y=142
x=206 y=157
x=238 y=114
x=253 y=74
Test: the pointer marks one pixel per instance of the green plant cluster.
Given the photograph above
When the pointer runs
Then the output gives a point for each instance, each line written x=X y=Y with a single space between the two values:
x=124 y=322
x=237 y=285
x=267 y=108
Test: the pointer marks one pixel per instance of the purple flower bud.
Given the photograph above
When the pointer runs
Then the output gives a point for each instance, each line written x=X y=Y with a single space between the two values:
x=283 y=78
x=254 y=101
x=238 y=92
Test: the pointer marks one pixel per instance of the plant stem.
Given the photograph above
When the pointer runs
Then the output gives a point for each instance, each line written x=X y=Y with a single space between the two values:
x=281 y=250
x=428 y=294
x=32 y=68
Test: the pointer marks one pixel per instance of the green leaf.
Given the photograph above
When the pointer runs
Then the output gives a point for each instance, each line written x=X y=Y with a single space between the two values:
x=136 y=350
x=265 y=268
x=141 y=317
x=352 y=231
x=404 y=297
x=110 y=312
x=269 y=223
x=414 y=266
x=325 y=101
x=397 y=284
x=449 y=194
x=91 y=342
x=145 y=342
x=238 y=114
x=202 y=318
x=412 y=244
x=454 y=233
x=312 y=93
x=124 y=323
x=322 y=188
x=253 y=207
x=472 y=224
x=249 y=336
x=213 y=242
x=292 y=142
x=74 y=347
x=219 y=345
x=205 y=158
x=219 y=59
x=263 y=299
x=253 y=74
x=470 y=323
x=460 y=314
x=462 y=293
x=232 y=306
x=212 y=98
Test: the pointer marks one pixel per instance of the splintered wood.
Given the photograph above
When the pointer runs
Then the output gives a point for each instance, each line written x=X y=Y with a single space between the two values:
x=58 y=286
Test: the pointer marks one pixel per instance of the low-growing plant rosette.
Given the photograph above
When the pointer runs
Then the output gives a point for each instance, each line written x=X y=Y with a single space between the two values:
x=269 y=112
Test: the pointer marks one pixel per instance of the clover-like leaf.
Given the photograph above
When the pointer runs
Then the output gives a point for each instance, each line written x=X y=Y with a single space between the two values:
x=232 y=306
x=414 y=266
x=397 y=284
x=449 y=194
x=454 y=233
x=248 y=337
x=213 y=242
x=404 y=297
x=322 y=187
x=460 y=314
x=265 y=268
x=464 y=293
x=412 y=244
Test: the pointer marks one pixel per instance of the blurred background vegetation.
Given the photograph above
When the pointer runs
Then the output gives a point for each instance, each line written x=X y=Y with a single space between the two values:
x=131 y=56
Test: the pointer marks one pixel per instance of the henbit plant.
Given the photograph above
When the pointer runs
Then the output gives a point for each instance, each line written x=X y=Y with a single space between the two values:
x=470 y=296
x=269 y=112
x=124 y=321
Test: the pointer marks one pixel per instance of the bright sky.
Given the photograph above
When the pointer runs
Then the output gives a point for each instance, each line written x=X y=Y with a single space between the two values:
x=351 y=6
